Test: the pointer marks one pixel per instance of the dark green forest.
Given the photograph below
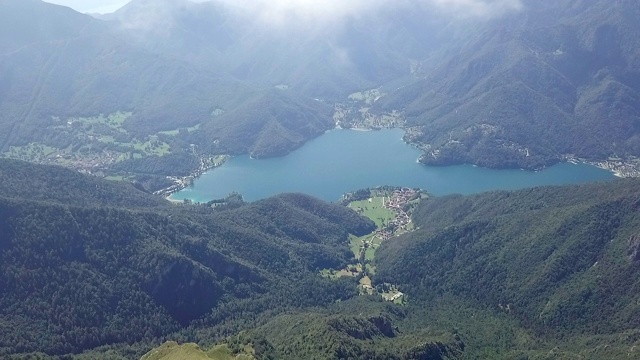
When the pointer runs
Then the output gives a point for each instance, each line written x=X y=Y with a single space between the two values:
x=558 y=265
x=87 y=263
x=95 y=269
x=92 y=269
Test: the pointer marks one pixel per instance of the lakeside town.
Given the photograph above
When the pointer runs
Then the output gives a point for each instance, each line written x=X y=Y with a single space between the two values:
x=390 y=208
x=179 y=183
x=396 y=202
x=624 y=168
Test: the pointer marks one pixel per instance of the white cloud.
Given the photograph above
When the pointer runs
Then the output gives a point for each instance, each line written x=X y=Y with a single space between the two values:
x=280 y=12
x=479 y=8
x=91 y=6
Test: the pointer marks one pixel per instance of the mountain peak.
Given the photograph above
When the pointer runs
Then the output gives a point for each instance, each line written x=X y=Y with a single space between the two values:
x=18 y=17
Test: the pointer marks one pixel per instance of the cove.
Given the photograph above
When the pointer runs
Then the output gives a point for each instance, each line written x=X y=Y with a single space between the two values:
x=345 y=160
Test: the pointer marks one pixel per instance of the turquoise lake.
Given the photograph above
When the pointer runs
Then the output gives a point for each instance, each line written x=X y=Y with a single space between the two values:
x=345 y=160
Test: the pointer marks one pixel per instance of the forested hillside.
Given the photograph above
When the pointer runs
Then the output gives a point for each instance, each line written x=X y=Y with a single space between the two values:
x=520 y=85
x=72 y=67
x=22 y=180
x=97 y=270
x=558 y=265
x=79 y=274
x=265 y=126
x=163 y=90
x=557 y=78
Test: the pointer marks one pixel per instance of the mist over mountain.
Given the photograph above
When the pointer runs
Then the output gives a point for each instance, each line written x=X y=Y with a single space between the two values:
x=496 y=83
x=557 y=78
x=160 y=91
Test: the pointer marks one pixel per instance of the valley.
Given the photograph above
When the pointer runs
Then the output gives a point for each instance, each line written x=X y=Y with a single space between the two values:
x=276 y=247
x=390 y=209
x=178 y=180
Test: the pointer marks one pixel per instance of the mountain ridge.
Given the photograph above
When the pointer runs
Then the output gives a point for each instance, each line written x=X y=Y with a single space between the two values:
x=567 y=86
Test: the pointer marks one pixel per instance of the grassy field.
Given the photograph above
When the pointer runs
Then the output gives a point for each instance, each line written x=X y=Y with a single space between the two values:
x=31 y=152
x=374 y=210
x=370 y=253
x=172 y=351
x=176 y=131
x=85 y=134
x=356 y=243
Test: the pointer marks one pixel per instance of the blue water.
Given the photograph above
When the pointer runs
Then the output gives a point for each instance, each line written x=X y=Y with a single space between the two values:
x=347 y=160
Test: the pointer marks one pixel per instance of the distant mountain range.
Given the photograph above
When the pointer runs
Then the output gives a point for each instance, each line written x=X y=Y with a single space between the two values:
x=523 y=88
x=560 y=77
x=94 y=269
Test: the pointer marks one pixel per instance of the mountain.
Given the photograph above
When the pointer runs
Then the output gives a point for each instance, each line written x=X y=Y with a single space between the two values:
x=87 y=70
x=265 y=126
x=91 y=269
x=77 y=274
x=520 y=87
x=326 y=58
x=74 y=67
x=525 y=90
x=556 y=267
x=22 y=180
x=17 y=28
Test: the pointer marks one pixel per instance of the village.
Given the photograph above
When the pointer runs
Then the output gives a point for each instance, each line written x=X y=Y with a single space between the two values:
x=396 y=203
x=390 y=208
x=179 y=183
x=399 y=219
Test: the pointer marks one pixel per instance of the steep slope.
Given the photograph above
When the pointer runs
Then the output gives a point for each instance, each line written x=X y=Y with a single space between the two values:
x=558 y=78
x=76 y=274
x=316 y=55
x=561 y=263
x=22 y=180
x=73 y=65
x=268 y=125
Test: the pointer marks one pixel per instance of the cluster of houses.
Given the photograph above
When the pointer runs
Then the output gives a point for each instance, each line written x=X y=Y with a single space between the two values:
x=396 y=202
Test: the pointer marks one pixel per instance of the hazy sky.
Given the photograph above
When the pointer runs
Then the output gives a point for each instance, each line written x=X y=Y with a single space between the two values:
x=276 y=8
x=91 y=6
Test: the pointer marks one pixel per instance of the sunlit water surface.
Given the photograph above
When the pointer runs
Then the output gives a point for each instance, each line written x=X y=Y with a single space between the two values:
x=346 y=160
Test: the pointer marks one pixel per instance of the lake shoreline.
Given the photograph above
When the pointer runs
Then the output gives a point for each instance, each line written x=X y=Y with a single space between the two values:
x=618 y=167
x=180 y=183
x=341 y=161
